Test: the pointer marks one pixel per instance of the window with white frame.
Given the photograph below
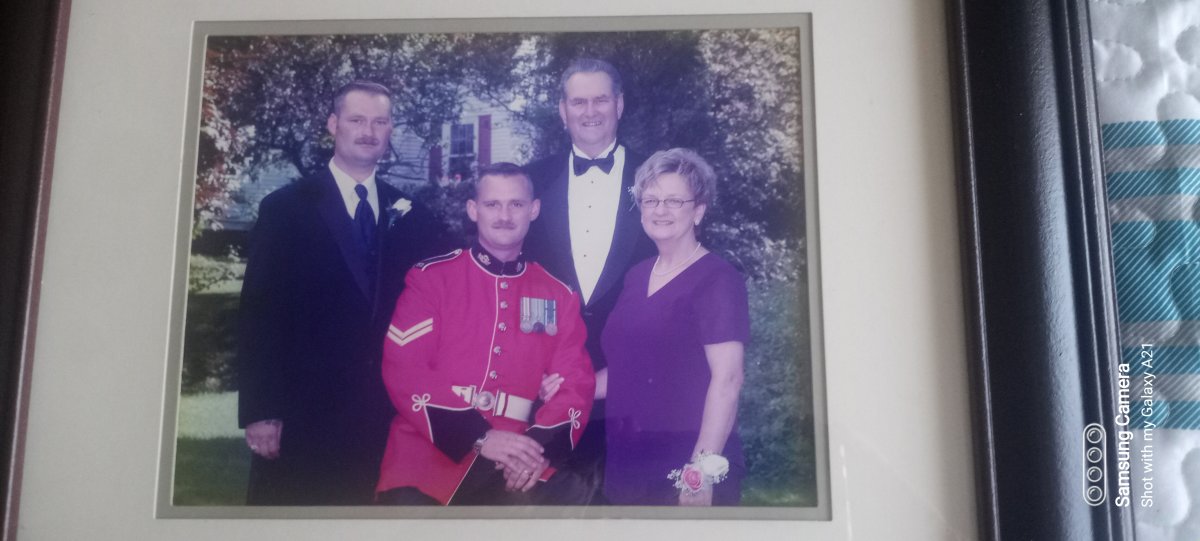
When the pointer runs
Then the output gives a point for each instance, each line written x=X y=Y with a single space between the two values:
x=462 y=151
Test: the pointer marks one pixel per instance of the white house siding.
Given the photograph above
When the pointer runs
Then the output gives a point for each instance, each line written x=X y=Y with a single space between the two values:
x=242 y=213
x=412 y=159
x=508 y=143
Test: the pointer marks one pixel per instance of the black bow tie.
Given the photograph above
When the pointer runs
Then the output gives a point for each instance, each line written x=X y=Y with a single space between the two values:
x=583 y=164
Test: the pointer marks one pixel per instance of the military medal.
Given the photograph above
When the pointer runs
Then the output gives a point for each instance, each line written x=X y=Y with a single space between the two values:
x=526 y=315
x=538 y=315
x=551 y=318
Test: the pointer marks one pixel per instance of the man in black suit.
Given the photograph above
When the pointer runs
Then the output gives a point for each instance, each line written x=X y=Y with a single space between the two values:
x=327 y=260
x=589 y=233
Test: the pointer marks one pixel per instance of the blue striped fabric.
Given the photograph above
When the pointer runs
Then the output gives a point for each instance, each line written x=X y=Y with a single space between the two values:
x=1168 y=360
x=1180 y=414
x=1183 y=414
x=1131 y=134
x=1163 y=413
x=1151 y=182
x=1143 y=133
x=1157 y=263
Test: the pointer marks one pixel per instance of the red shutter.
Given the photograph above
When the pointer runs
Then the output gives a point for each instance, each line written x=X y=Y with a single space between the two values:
x=485 y=140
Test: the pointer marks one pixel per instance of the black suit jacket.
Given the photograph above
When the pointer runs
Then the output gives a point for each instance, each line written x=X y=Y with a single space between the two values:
x=314 y=310
x=549 y=241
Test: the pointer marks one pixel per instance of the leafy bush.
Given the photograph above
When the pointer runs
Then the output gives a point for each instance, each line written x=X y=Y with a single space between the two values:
x=210 y=336
x=776 y=411
x=210 y=343
x=447 y=203
x=205 y=273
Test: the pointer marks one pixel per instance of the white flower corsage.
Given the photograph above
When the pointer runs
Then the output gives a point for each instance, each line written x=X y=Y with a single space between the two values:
x=705 y=471
x=398 y=210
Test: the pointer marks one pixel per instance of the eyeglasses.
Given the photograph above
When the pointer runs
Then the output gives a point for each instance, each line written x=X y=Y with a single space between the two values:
x=669 y=203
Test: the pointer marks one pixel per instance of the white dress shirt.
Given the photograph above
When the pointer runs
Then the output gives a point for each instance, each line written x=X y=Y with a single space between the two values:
x=346 y=184
x=593 y=200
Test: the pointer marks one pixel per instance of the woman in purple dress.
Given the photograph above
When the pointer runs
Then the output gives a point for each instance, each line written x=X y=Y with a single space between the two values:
x=674 y=344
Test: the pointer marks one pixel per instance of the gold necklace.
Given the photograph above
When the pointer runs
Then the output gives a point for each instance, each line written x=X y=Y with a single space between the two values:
x=677 y=266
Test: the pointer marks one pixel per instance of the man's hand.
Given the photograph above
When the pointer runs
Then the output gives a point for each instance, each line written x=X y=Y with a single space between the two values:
x=518 y=454
x=703 y=498
x=263 y=438
x=550 y=385
x=522 y=480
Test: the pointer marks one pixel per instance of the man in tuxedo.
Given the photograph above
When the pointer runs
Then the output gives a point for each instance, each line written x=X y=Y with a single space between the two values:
x=590 y=231
x=326 y=264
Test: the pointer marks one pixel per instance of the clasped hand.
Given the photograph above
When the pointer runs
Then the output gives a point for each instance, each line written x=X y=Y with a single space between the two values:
x=518 y=455
x=700 y=498
x=263 y=438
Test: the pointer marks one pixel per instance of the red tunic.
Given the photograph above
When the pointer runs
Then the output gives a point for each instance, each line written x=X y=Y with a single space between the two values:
x=468 y=344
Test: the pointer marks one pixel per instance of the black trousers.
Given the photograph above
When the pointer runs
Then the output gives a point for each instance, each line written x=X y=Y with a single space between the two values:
x=587 y=459
x=484 y=485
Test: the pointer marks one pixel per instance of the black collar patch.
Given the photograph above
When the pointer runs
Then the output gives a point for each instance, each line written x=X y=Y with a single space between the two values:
x=493 y=265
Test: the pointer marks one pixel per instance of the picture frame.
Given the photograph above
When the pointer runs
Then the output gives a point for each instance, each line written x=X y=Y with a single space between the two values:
x=35 y=44
x=1066 y=281
x=1038 y=265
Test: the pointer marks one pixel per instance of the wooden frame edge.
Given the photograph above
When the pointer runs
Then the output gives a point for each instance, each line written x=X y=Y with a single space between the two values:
x=36 y=34
x=1042 y=326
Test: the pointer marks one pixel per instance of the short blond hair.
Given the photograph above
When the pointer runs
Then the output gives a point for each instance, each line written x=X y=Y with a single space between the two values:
x=700 y=177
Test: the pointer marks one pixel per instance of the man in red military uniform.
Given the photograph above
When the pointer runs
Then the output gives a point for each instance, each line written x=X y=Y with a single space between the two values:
x=471 y=338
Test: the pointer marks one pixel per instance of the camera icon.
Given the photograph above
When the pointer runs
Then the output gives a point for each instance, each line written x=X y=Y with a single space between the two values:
x=1095 y=470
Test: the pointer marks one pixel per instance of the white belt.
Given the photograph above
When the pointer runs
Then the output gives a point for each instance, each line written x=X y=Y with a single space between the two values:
x=500 y=403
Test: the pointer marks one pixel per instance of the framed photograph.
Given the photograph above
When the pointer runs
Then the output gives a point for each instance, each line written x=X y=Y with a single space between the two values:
x=471 y=93
x=95 y=407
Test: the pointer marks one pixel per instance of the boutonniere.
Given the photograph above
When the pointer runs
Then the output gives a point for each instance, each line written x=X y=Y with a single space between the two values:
x=398 y=210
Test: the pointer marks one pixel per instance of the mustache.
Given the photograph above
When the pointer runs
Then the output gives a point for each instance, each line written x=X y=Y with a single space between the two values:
x=367 y=140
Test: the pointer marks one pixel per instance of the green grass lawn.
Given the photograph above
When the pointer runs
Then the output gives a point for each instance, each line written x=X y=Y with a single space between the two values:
x=208 y=416
x=211 y=471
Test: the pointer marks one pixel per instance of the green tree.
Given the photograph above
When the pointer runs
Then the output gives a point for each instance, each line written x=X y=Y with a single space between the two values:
x=663 y=84
x=266 y=98
x=731 y=95
x=754 y=85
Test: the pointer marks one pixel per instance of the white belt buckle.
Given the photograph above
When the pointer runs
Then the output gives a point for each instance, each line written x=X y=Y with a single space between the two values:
x=484 y=400
x=500 y=403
